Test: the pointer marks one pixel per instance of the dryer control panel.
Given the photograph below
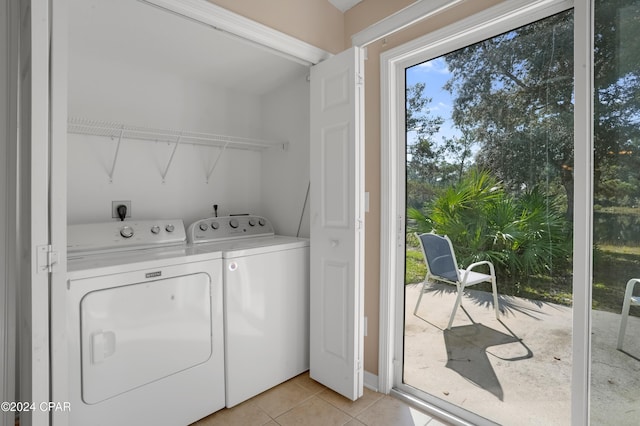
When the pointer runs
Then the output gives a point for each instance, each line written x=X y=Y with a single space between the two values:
x=223 y=228
x=123 y=236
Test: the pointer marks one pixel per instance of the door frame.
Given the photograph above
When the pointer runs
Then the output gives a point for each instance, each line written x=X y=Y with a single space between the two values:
x=58 y=72
x=8 y=196
x=491 y=22
x=236 y=25
x=32 y=86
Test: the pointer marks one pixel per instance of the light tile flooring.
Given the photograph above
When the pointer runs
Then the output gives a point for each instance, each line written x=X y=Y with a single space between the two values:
x=302 y=401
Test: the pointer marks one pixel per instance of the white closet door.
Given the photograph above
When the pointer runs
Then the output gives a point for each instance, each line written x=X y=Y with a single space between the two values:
x=33 y=209
x=337 y=227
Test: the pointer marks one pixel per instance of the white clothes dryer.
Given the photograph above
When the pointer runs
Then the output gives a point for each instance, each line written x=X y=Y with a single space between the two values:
x=266 y=301
x=145 y=331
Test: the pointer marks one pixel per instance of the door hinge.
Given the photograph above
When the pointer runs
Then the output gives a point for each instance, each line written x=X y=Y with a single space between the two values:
x=47 y=258
x=359 y=79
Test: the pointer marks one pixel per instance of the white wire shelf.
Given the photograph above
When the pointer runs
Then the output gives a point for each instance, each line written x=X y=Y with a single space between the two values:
x=120 y=131
x=125 y=131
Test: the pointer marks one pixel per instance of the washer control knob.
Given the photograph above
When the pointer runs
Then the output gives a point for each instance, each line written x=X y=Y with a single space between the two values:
x=203 y=226
x=234 y=223
x=215 y=225
x=261 y=222
x=126 y=231
x=155 y=229
x=170 y=228
x=252 y=222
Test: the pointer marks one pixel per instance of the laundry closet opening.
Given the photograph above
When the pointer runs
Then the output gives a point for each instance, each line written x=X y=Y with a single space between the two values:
x=175 y=117
x=182 y=123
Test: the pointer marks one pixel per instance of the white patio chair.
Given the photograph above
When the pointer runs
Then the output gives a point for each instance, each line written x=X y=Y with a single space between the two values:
x=442 y=266
x=629 y=299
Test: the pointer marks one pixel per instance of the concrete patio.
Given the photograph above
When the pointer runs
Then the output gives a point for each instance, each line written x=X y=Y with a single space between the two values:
x=517 y=370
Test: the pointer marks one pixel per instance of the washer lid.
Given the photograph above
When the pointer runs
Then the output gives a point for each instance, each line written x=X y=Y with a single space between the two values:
x=263 y=245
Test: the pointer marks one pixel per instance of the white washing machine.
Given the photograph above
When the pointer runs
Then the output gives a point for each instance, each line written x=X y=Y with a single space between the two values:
x=266 y=301
x=145 y=326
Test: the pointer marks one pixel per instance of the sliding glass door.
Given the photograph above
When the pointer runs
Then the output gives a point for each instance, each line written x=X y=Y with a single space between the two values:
x=489 y=163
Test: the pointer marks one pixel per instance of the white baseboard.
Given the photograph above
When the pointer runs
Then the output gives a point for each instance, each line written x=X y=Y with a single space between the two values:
x=371 y=381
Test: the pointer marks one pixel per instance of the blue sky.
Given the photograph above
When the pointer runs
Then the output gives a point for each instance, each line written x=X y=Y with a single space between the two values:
x=434 y=74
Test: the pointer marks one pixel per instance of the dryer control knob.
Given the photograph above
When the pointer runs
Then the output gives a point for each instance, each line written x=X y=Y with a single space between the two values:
x=126 y=231
x=261 y=222
x=234 y=223
x=203 y=226
x=252 y=222
x=215 y=225
x=155 y=229
x=170 y=228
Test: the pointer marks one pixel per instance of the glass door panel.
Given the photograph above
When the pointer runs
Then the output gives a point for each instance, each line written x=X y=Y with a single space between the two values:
x=489 y=163
x=615 y=349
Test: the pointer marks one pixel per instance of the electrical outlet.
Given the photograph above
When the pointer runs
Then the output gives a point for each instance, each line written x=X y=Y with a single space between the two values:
x=114 y=208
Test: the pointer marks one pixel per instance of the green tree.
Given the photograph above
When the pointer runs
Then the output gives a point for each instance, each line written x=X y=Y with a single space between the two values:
x=458 y=151
x=617 y=103
x=423 y=153
x=424 y=157
x=514 y=96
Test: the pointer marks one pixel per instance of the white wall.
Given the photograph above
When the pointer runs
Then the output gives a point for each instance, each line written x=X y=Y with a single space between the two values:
x=111 y=91
x=285 y=175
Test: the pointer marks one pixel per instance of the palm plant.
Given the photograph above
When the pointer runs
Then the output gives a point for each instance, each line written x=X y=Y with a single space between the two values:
x=521 y=236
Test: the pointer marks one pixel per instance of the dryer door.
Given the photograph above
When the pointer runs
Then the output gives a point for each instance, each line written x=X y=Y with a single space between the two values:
x=136 y=334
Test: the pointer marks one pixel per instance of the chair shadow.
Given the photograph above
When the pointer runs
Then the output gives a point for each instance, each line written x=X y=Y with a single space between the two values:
x=467 y=354
x=508 y=305
x=467 y=345
x=629 y=354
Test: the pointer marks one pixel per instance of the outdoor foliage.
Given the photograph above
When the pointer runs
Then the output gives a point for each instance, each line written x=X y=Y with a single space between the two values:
x=512 y=110
x=516 y=90
x=522 y=236
x=431 y=164
x=514 y=95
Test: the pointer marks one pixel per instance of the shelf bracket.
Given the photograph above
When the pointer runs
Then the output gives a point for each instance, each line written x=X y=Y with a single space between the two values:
x=215 y=163
x=175 y=147
x=115 y=156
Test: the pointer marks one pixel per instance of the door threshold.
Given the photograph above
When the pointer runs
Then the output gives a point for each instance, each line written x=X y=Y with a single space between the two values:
x=441 y=410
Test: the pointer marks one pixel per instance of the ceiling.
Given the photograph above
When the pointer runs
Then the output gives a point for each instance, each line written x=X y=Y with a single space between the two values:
x=141 y=35
x=344 y=5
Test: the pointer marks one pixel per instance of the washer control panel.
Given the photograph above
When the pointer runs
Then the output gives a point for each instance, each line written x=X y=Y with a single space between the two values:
x=121 y=236
x=223 y=228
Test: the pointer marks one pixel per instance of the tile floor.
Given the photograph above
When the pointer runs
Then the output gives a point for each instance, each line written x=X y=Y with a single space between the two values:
x=302 y=401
